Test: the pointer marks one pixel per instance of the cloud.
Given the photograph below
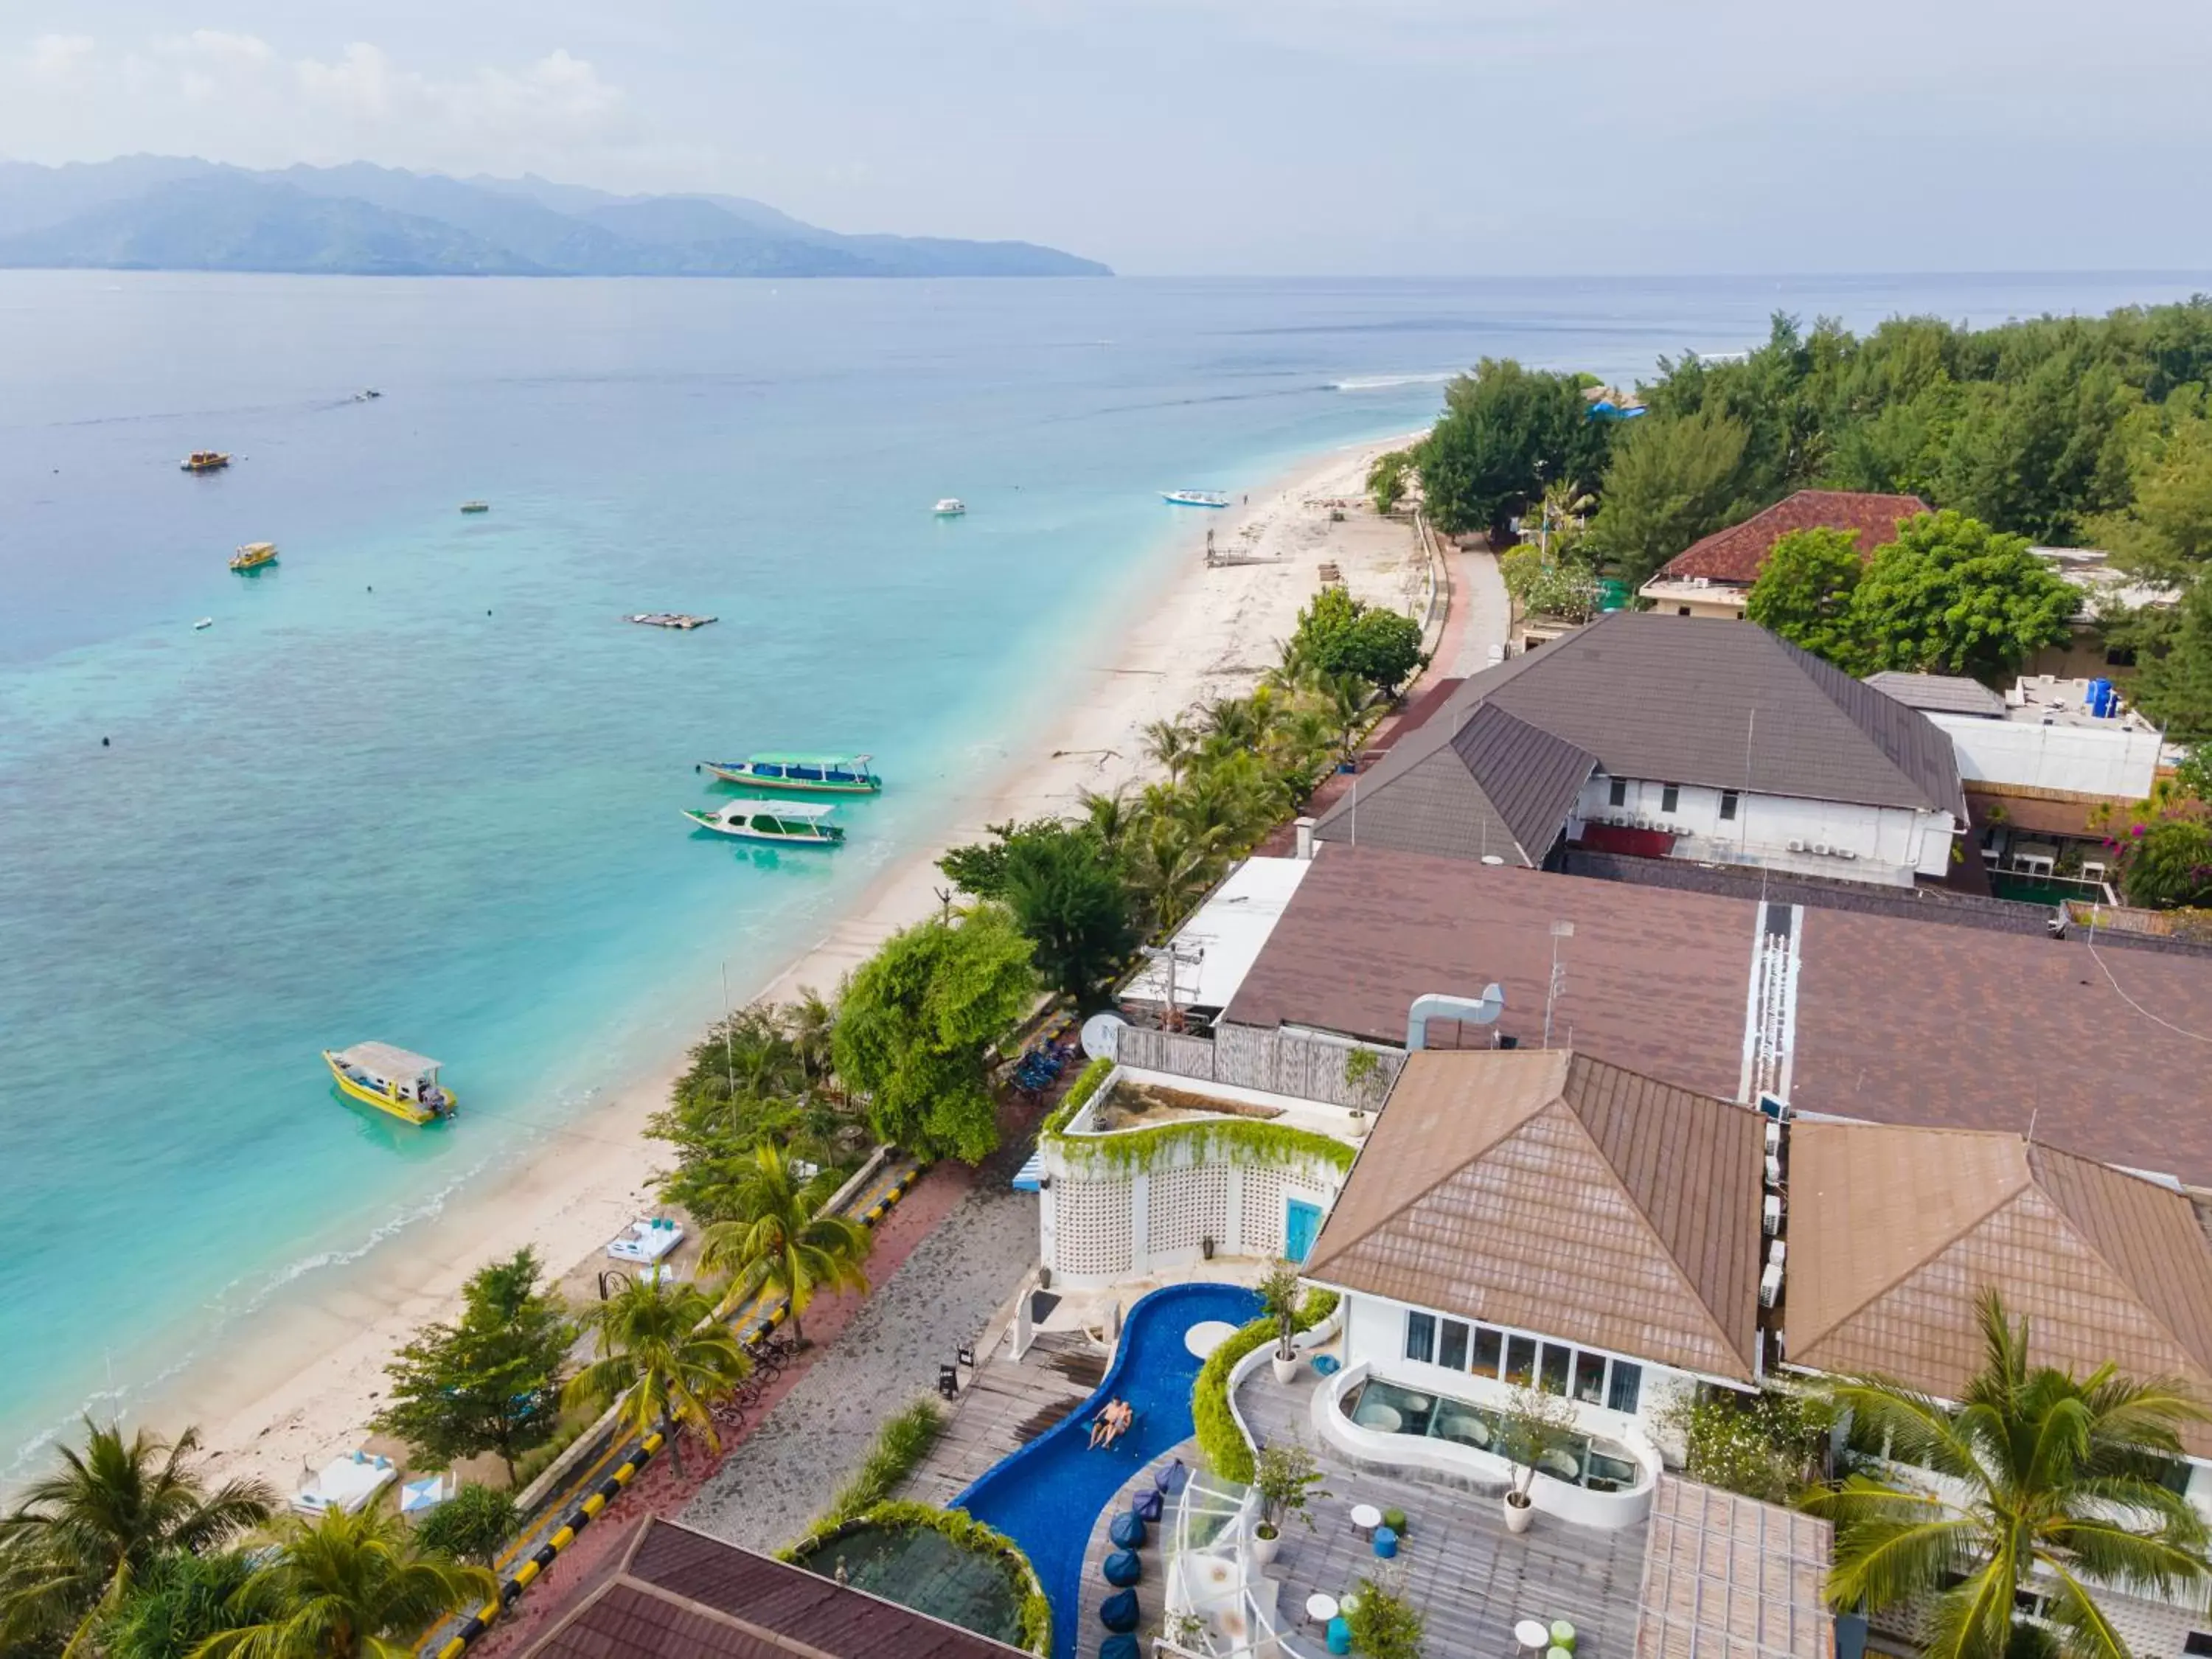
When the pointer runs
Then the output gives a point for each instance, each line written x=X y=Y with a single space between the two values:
x=236 y=97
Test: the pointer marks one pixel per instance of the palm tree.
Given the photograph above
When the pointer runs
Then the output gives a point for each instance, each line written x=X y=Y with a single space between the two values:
x=2042 y=1476
x=1170 y=744
x=665 y=1357
x=71 y=1548
x=1173 y=867
x=1109 y=816
x=345 y=1587
x=808 y=1023
x=777 y=1243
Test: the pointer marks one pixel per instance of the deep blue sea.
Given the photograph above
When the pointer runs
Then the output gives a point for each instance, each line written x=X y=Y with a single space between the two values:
x=418 y=783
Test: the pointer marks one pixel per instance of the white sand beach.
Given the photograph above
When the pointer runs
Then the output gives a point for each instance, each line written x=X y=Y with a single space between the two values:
x=299 y=1387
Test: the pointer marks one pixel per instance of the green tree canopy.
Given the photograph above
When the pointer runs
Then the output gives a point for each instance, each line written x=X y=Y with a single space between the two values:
x=777 y=1241
x=180 y=1603
x=2168 y=865
x=81 y=1536
x=1952 y=596
x=2060 y=1479
x=1339 y=635
x=2174 y=685
x=1068 y=898
x=665 y=1357
x=470 y=1526
x=1674 y=479
x=1804 y=593
x=346 y=1586
x=1386 y=479
x=487 y=1383
x=1505 y=430
x=917 y=1020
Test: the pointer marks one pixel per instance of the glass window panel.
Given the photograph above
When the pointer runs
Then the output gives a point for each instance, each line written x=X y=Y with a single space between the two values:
x=1627 y=1386
x=1619 y=795
x=1520 y=1360
x=1451 y=1347
x=1553 y=1375
x=1590 y=1378
x=1670 y=796
x=1728 y=803
x=1420 y=1336
x=1489 y=1346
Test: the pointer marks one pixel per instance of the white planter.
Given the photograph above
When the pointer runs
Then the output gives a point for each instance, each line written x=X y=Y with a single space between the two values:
x=1263 y=1549
x=1285 y=1369
x=1518 y=1515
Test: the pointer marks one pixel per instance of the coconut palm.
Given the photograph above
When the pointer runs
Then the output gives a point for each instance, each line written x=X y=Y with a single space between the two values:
x=777 y=1243
x=1170 y=743
x=1109 y=816
x=2042 y=1476
x=665 y=1357
x=808 y=1023
x=1172 y=866
x=345 y=1587
x=73 y=1545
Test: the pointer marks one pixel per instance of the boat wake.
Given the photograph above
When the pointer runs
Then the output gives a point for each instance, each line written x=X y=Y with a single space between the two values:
x=1385 y=382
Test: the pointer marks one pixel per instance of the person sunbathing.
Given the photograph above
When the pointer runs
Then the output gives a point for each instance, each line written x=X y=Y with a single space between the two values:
x=1111 y=1423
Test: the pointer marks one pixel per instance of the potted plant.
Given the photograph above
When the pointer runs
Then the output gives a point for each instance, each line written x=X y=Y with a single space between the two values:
x=1535 y=1423
x=1284 y=1476
x=1278 y=1295
x=1384 y=1625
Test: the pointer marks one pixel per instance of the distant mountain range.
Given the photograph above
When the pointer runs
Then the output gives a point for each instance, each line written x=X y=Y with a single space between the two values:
x=175 y=212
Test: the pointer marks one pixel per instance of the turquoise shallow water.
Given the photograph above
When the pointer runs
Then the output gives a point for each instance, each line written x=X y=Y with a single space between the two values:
x=418 y=783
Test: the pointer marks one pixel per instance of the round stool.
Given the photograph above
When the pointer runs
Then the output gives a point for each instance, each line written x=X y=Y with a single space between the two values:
x=1118 y=1612
x=1563 y=1635
x=1386 y=1543
x=1127 y=1532
x=1122 y=1569
x=1340 y=1636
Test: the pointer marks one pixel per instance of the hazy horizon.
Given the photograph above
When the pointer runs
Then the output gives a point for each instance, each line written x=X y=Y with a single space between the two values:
x=1300 y=137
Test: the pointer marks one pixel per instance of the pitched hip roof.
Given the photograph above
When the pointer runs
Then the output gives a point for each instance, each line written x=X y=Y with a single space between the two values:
x=1735 y=554
x=1556 y=1193
x=1488 y=785
x=1730 y=1578
x=676 y=1593
x=1895 y=1232
x=1941 y=694
x=1892 y=1019
x=1696 y=700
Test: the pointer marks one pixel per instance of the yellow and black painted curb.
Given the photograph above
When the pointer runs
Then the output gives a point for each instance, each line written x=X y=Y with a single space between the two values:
x=610 y=1488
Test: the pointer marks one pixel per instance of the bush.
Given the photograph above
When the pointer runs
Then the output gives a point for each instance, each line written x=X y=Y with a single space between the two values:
x=1384 y=1625
x=1220 y=1441
x=901 y=1444
x=964 y=1530
x=1765 y=1446
x=470 y=1526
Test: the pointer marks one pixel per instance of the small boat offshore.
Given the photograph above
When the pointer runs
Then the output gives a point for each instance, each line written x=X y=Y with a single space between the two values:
x=817 y=775
x=392 y=1080
x=786 y=823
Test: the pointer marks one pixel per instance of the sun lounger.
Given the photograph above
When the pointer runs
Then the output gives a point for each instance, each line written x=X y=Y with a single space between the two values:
x=350 y=1484
x=647 y=1241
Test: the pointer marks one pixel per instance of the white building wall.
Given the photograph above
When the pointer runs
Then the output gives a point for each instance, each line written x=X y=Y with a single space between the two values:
x=1093 y=1230
x=2106 y=759
x=1886 y=845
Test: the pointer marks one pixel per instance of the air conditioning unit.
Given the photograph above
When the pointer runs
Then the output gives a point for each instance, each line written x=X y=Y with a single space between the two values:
x=1796 y=845
x=1822 y=848
x=1776 y=1253
x=1771 y=1214
x=1773 y=1170
x=1773 y=1137
x=1775 y=1107
x=1770 y=1286
x=1845 y=853
x=1643 y=823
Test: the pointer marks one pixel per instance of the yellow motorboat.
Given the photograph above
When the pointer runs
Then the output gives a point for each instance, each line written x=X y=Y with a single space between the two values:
x=392 y=1080
x=253 y=556
x=206 y=460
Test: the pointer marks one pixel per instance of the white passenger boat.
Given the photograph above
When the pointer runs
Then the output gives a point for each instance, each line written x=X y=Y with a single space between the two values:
x=785 y=823
x=950 y=508
x=1194 y=498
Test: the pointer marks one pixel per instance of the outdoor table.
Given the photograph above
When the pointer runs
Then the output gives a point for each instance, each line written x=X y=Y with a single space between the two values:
x=1321 y=1608
x=1365 y=1517
x=1533 y=1635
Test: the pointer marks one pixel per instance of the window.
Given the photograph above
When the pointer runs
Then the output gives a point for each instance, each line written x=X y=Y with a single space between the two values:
x=1627 y=1386
x=1420 y=1336
x=1590 y=1378
x=1553 y=1377
x=1618 y=796
x=1670 y=796
x=1728 y=803
x=1488 y=1344
x=1451 y=1352
x=1681 y=609
x=1520 y=1360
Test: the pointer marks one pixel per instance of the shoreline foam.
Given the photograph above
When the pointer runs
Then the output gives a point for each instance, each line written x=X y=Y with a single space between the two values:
x=299 y=1384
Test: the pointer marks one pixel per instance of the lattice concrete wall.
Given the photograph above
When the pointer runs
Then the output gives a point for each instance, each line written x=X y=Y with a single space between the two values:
x=1092 y=1236
x=1155 y=1221
x=1187 y=1206
x=1303 y=1067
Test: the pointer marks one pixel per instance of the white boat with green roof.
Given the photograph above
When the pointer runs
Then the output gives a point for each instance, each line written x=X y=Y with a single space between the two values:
x=783 y=823
x=802 y=774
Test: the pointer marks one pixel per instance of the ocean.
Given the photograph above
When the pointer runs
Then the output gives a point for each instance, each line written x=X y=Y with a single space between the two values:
x=420 y=783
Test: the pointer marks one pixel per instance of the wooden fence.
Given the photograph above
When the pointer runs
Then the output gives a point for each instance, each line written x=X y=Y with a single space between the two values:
x=1279 y=1063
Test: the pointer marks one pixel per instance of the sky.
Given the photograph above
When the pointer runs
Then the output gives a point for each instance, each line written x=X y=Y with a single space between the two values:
x=1222 y=136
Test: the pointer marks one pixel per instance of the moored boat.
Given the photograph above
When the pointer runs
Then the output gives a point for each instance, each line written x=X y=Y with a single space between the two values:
x=205 y=461
x=392 y=1080
x=1194 y=498
x=950 y=508
x=681 y=621
x=475 y=507
x=787 y=822
x=253 y=556
x=817 y=775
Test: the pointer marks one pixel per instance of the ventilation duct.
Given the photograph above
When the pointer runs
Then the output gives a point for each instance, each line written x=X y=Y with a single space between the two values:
x=1467 y=1010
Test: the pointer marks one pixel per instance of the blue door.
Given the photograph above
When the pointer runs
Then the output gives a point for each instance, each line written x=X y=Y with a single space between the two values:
x=1301 y=1221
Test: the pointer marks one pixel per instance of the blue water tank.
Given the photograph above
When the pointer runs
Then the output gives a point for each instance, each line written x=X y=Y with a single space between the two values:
x=2102 y=699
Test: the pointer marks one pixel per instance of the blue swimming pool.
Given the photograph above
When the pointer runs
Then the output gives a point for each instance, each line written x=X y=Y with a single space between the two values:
x=1047 y=1497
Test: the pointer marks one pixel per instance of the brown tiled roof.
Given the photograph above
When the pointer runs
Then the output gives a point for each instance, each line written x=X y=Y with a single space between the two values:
x=1728 y=1577
x=1489 y=786
x=1553 y=1192
x=1894 y=1233
x=1653 y=980
x=677 y=1593
x=2048 y=814
x=1896 y=1020
x=1735 y=555
x=1705 y=700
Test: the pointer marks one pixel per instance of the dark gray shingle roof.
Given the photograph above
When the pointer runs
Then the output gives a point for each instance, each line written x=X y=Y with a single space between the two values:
x=1946 y=694
x=1491 y=784
x=1726 y=704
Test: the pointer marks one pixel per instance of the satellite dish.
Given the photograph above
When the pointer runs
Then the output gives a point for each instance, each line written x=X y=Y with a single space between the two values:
x=1102 y=1035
